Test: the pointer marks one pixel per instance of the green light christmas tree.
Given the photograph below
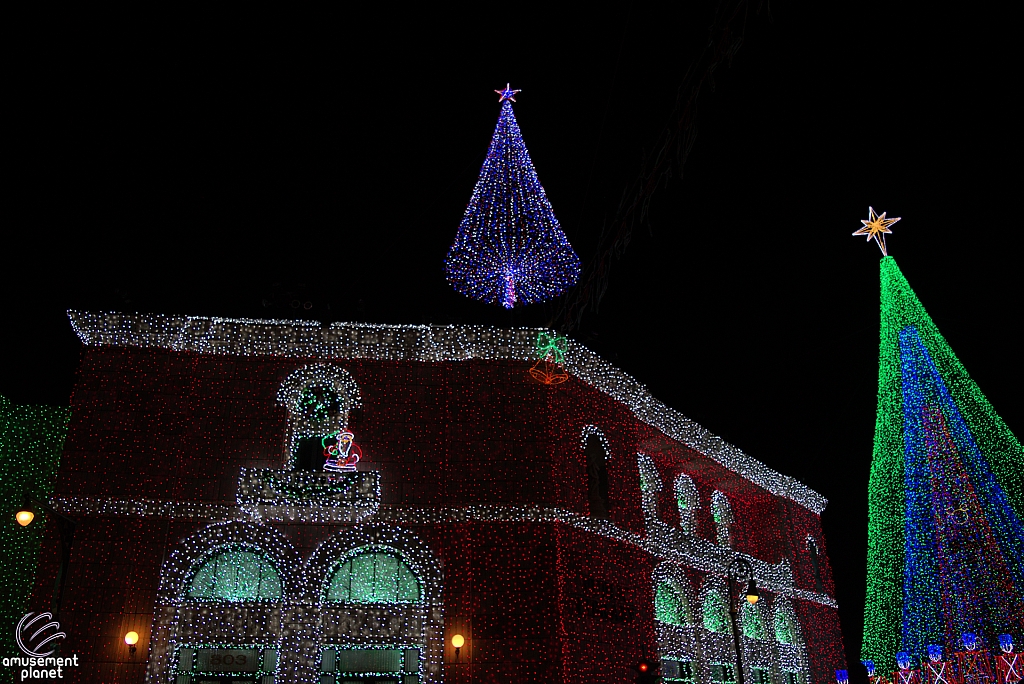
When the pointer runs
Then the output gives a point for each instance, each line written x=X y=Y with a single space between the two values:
x=31 y=441
x=946 y=492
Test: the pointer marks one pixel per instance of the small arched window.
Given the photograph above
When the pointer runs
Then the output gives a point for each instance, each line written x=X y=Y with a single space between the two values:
x=686 y=502
x=716 y=612
x=722 y=511
x=671 y=605
x=318 y=398
x=236 y=575
x=374 y=577
x=650 y=485
x=785 y=623
x=812 y=548
x=752 y=621
x=595 y=448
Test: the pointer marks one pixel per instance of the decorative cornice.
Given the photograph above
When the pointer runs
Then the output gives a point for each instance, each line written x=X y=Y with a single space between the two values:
x=430 y=343
x=664 y=543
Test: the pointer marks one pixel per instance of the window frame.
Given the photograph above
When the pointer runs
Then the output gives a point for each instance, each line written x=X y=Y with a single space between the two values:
x=387 y=551
x=213 y=557
x=685 y=488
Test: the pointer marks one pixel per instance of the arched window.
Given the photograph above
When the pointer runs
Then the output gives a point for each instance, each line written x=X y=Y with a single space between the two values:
x=722 y=511
x=595 y=448
x=374 y=576
x=319 y=398
x=716 y=612
x=752 y=621
x=236 y=575
x=671 y=605
x=650 y=485
x=812 y=548
x=686 y=501
x=785 y=623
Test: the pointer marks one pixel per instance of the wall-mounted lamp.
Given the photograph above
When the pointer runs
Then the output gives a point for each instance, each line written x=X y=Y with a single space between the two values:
x=458 y=641
x=131 y=638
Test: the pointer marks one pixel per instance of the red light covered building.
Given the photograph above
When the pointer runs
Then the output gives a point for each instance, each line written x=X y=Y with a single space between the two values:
x=565 y=530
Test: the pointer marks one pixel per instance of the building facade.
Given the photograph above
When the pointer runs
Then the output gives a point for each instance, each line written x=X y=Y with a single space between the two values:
x=563 y=530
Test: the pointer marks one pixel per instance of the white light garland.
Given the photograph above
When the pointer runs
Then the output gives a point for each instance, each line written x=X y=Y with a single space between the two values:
x=311 y=339
x=589 y=430
x=663 y=542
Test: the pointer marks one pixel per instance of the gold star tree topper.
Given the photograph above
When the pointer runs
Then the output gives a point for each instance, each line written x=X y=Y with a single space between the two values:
x=876 y=227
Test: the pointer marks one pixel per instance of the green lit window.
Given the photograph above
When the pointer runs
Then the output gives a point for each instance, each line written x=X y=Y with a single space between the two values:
x=753 y=623
x=686 y=501
x=374 y=577
x=716 y=613
x=722 y=512
x=236 y=576
x=760 y=676
x=785 y=632
x=723 y=674
x=670 y=605
x=791 y=677
x=319 y=403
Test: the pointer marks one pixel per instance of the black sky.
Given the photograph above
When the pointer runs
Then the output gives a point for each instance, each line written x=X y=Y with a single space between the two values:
x=230 y=161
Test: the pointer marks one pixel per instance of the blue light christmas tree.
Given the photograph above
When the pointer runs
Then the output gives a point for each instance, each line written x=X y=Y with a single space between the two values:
x=510 y=249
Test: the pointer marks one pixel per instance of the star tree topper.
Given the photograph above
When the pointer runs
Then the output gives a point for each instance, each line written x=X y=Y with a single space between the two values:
x=507 y=94
x=876 y=227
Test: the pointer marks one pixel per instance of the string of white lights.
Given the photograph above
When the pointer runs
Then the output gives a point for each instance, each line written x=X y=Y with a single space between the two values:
x=429 y=343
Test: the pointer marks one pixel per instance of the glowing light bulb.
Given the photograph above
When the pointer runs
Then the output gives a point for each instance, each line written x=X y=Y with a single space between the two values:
x=24 y=517
x=131 y=638
x=458 y=641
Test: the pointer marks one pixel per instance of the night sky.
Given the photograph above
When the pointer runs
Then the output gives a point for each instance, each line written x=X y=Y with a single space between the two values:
x=231 y=162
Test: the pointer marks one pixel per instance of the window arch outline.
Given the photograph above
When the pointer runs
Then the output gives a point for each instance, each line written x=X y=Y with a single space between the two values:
x=715 y=609
x=366 y=550
x=721 y=509
x=785 y=626
x=650 y=486
x=416 y=553
x=589 y=430
x=308 y=416
x=597 y=452
x=814 y=551
x=687 y=502
x=273 y=584
x=673 y=596
x=752 y=621
x=190 y=552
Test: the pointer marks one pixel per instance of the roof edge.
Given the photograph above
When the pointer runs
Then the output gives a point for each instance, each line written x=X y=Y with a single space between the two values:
x=433 y=343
